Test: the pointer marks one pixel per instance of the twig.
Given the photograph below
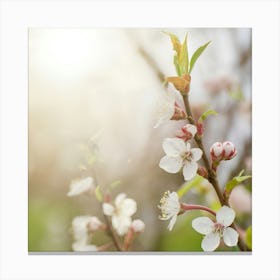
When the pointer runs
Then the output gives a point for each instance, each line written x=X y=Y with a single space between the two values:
x=109 y=227
x=211 y=175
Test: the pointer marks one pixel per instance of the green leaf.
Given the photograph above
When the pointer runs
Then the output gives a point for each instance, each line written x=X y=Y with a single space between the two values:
x=197 y=54
x=186 y=187
x=175 y=42
x=98 y=194
x=184 y=57
x=235 y=182
x=248 y=237
x=115 y=184
x=175 y=61
x=206 y=114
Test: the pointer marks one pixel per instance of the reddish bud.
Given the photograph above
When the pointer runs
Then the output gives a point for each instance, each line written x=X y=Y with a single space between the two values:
x=187 y=132
x=217 y=151
x=200 y=128
x=229 y=150
x=202 y=171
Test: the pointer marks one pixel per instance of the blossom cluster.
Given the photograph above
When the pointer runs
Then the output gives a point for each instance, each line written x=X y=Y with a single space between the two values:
x=181 y=156
x=120 y=214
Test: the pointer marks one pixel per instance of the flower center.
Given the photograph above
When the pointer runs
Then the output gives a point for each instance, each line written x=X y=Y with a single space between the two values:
x=163 y=204
x=187 y=156
x=219 y=228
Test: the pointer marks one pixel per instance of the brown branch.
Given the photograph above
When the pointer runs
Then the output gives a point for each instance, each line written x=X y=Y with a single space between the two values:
x=211 y=174
x=150 y=61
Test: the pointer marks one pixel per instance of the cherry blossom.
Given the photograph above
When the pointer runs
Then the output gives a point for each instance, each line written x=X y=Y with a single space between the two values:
x=214 y=231
x=81 y=234
x=85 y=185
x=121 y=212
x=167 y=108
x=180 y=154
x=170 y=207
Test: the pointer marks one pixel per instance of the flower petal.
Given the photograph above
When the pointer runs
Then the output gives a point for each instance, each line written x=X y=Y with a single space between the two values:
x=81 y=186
x=174 y=197
x=230 y=237
x=128 y=207
x=119 y=199
x=172 y=222
x=196 y=154
x=225 y=216
x=138 y=225
x=121 y=224
x=203 y=225
x=189 y=170
x=165 y=108
x=210 y=242
x=79 y=227
x=171 y=164
x=108 y=209
x=174 y=146
x=82 y=247
x=191 y=128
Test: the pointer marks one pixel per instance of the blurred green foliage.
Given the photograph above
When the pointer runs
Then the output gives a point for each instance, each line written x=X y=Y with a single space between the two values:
x=49 y=224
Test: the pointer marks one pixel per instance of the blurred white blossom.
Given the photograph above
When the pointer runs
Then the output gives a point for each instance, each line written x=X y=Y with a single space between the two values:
x=81 y=234
x=121 y=212
x=138 y=225
x=85 y=185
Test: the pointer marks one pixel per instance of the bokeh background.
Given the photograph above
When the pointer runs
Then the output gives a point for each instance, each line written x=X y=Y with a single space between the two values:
x=98 y=88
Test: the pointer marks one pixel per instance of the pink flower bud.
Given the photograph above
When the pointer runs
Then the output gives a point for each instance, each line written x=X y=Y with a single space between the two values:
x=217 y=151
x=187 y=132
x=200 y=128
x=138 y=225
x=202 y=171
x=229 y=150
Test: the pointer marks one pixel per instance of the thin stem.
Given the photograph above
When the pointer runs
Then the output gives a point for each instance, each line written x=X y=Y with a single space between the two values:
x=211 y=174
x=108 y=223
x=188 y=207
x=104 y=247
x=112 y=233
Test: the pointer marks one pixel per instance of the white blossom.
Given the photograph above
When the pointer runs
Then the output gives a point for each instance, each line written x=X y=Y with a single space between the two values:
x=95 y=224
x=121 y=212
x=214 y=231
x=82 y=247
x=82 y=227
x=179 y=154
x=168 y=107
x=170 y=207
x=165 y=108
x=85 y=185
